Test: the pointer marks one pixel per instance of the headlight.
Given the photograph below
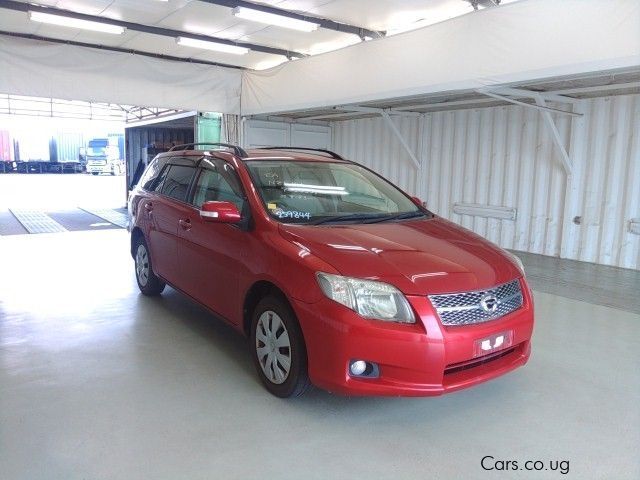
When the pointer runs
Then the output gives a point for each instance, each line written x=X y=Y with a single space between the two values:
x=369 y=299
x=516 y=259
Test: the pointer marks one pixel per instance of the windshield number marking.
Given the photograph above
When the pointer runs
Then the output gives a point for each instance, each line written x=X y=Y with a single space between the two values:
x=292 y=214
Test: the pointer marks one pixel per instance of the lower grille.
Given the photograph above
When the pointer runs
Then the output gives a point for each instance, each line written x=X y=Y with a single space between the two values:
x=479 y=306
x=459 y=367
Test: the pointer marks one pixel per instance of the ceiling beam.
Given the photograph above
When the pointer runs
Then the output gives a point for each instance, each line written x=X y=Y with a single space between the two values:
x=285 y=119
x=331 y=116
x=598 y=88
x=553 y=95
x=528 y=105
x=533 y=94
x=159 y=56
x=165 y=32
x=346 y=111
x=446 y=104
x=323 y=22
x=376 y=111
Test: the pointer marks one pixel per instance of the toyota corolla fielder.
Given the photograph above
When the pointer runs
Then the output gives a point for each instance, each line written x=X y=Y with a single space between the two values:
x=339 y=278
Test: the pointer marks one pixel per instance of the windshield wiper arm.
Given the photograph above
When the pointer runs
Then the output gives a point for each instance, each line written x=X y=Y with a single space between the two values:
x=341 y=218
x=399 y=216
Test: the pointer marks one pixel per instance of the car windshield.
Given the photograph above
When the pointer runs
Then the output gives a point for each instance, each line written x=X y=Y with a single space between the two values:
x=327 y=192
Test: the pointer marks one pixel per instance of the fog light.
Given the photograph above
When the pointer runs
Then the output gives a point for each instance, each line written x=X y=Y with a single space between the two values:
x=358 y=367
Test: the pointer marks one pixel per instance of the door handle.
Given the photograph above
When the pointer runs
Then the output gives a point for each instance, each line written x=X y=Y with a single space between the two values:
x=185 y=224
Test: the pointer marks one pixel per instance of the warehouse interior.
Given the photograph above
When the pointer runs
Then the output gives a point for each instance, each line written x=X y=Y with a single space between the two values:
x=518 y=120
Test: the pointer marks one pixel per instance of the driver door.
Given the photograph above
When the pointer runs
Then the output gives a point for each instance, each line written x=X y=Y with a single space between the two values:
x=212 y=255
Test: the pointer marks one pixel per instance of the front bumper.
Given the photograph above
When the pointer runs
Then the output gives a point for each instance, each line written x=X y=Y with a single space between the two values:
x=422 y=359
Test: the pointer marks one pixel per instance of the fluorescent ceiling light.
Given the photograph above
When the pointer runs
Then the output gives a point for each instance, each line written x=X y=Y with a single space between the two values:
x=216 y=47
x=75 y=23
x=273 y=19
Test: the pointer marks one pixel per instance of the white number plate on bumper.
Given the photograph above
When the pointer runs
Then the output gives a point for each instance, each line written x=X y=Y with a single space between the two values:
x=492 y=343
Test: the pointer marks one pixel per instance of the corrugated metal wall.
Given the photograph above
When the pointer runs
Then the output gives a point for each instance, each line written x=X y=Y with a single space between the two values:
x=505 y=156
x=372 y=143
x=68 y=145
x=605 y=188
x=260 y=133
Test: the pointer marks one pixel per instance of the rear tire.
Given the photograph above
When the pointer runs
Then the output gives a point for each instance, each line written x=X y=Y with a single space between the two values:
x=148 y=282
x=278 y=349
x=94 y=173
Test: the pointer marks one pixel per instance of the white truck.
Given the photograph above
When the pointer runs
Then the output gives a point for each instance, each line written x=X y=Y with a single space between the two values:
x=104 y=155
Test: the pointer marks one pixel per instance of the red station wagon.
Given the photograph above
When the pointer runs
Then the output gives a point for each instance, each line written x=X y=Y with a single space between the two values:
x=338 y=278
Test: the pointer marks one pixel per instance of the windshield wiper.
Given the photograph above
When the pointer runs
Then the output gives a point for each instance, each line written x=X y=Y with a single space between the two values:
x=399 y=216
x=347 y=217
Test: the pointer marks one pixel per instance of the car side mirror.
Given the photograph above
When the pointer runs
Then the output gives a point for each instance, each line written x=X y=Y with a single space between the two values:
x=419 y=202
x=220 y=212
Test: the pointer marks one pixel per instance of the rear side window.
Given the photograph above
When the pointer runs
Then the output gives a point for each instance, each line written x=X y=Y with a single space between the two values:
x=176 y=183
x=156 y=185
x=149 y=176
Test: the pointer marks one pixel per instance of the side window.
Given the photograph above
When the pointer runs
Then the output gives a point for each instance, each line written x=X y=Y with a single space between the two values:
x=150 y=174
x=156 y=186
x=176 y=183
x=218 y=182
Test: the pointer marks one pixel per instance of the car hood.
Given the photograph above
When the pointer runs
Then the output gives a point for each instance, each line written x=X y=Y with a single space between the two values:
x=419 y=257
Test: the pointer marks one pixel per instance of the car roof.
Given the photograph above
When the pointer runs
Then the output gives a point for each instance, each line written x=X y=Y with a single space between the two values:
x=297 y=155
x=259 y=154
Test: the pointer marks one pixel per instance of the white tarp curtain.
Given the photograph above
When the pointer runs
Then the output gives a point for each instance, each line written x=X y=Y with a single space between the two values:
x=526 y=40
x=43 y=69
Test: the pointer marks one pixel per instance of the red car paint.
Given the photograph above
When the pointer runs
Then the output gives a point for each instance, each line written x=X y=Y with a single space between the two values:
x=217 y=264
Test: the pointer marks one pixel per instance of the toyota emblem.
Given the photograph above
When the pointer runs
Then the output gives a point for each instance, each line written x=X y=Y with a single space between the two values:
x=489 y=303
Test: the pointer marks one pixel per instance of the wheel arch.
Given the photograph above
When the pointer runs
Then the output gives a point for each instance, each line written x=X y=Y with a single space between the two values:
x=255 y=293
x=136 y=234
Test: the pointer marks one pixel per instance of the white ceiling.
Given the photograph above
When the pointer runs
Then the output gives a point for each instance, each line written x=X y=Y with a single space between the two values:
x=200 y=17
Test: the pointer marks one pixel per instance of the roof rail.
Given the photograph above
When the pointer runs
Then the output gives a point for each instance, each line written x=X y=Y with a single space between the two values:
x=185 y=146
x=328 y=152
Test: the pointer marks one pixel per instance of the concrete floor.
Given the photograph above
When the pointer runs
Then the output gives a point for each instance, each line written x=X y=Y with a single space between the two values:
x=99 y=382
x=589 y=282
x=67 y=199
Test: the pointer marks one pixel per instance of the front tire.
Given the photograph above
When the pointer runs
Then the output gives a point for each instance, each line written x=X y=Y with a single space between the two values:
x=278 y=348
x=148 y=282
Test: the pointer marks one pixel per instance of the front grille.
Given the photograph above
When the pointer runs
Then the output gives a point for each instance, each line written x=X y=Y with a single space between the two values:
x=469 y=308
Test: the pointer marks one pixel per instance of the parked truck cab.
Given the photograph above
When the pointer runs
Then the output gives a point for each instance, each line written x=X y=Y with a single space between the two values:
x=104 y=157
